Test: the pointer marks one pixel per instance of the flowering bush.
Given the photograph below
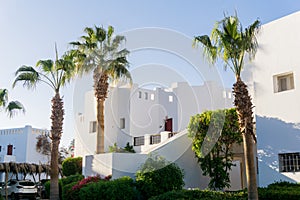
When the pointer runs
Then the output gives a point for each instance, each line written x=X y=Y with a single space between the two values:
x=90 y=179
x=71 y=190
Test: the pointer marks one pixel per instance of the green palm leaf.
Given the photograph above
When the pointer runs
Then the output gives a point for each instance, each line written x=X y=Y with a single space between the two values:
x=28 y=75
x=3 y=97
x=13 y=107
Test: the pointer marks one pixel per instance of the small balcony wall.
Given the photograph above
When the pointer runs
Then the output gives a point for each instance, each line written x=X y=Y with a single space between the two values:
x=151 y=141
x=7 y=158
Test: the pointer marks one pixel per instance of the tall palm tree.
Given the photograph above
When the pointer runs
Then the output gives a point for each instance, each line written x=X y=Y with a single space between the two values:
x=11 y=107
x=55 y=74
x=101 y=53
x=230 y=43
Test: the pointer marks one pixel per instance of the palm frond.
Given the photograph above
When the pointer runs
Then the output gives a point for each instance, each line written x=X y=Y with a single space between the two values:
x=46 y=65
x=14 y=107
x=77 y=43
x=230 y=42
x=28 y=75
x=210 y=50
x=118 y=70
x=3 y=97
x=100 y=34
x=250 y=36
x=89 y=31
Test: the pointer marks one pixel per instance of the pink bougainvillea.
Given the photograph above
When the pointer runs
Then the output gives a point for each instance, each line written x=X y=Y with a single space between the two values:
x=90 y=179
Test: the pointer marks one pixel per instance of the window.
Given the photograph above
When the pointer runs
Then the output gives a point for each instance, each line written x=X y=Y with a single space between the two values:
x=229 y=95
x=138 y=141
x=224 y=94
x=152 y=97
x=170 y=98
x=0 y=148
x=140 y=94
x=283 y=82
x=146 y=95
x=154 y=139
x=289 y=162
x=93 y=127
x=9 y=149
x=122 y=123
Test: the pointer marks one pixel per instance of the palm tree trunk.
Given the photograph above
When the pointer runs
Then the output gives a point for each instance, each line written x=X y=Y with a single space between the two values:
x=6 y=180
x=100 y=126
x=101 y=89
x=57 y=118
x=244 y=107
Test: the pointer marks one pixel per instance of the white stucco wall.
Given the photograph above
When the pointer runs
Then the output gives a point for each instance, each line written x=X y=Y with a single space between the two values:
x=196 y=99
x=145 y=116
x=177 y=150
x=277 y=113
x=24 y=144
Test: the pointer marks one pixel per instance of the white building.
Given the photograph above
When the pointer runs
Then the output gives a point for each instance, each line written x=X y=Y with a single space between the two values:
x=274 y=78
x=19 y=145
x=151 y=121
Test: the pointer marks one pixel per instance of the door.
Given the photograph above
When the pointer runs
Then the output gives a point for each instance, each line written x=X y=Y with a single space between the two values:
x=9 y=149
x=169 y=125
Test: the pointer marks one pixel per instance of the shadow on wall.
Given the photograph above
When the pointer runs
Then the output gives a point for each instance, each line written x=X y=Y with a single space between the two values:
x=274 y=136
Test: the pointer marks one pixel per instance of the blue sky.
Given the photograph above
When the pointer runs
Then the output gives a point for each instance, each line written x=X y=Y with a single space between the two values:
x=29 y=29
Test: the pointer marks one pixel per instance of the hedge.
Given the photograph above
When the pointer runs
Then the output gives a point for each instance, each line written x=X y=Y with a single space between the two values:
x=152 y=180
x=72 y=166
x=270 y=193
x=200 y=194
x=62 y=182
x=118 y=189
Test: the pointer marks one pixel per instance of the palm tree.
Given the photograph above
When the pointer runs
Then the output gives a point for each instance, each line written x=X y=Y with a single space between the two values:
x=101 y=53
x=230 y=43
x=11 y=107
x=55 y=74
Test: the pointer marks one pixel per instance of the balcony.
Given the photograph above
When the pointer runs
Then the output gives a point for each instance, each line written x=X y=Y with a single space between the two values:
x=149 y=141
x=7 y=158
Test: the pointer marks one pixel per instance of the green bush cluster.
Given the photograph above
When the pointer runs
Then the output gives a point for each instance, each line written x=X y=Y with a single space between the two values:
x=47 y=189
x=71 y=179
x=200 y=194
x=127 y=149
x=158 y=176
x=68 y=193
x=118 y=189
x=275 y=191
x=280 y=191
x=63 y=183
x=72 y=166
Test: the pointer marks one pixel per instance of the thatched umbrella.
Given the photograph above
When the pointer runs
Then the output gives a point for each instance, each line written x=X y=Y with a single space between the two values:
x=39 y=170
x=2 y=167
x=46 y=169
x=14 y=168
x=23 y=168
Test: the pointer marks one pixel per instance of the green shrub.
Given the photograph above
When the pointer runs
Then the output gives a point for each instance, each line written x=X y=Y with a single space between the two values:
x=283 y=184
x=72 y=166
x=158 y=176
x=68 y=183
x=47 y=189
x=129 y=148
x=71 y=179
x=118 y=189
x=282 y=190
x=63 y=182
x=200 y=194
x=68 y=193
